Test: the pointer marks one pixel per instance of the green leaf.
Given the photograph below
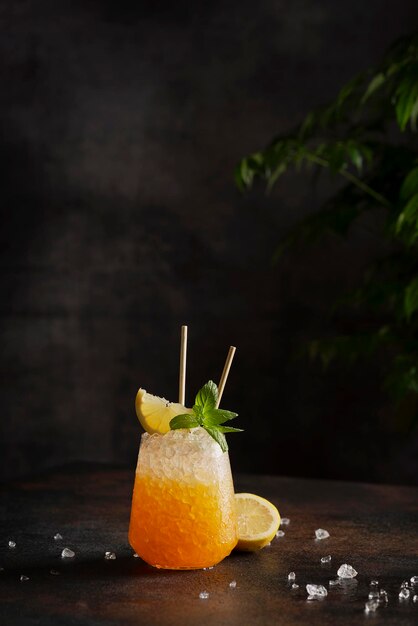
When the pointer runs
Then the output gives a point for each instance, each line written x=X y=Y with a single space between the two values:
x=409 y=214
x=198 y=411
x=218 y=416
x=409 y=185
x=411 y=298
x=407 y=94
x=207 y=396
x=217 y=436
x=229 y=429
x=376 y=82
x=186 y=420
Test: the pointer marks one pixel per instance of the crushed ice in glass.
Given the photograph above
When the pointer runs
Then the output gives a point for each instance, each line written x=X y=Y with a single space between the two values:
x=12 y=544
x=404 y=594
x=326 y=559
x=346 y=571
x=414 y=580
x=295 y=586
x=374 y=583
x=320 y=533
x=291 y=576
x=109 y=556
x=233 y=584
x=57 y=536
x=204 y=595
x=54 y=572
x=67 y=553
x=285 y=521
x=280 y=533
x=316 y=591
x=23 y=578
x=371 y=606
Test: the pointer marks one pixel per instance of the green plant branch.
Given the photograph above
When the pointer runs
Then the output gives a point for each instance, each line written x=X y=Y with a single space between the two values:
x=350 y=177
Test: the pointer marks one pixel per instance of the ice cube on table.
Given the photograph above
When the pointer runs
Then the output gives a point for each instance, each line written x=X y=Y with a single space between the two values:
x=326 y=559
x=320 y=533
x=316 y=591
x=404 y=594
x=12 y=544
x=57 y=536
x=371 y=606
x=110 y=556
x=285 y=521
x=280 y=533
x=67 y=553
x=204 y=595
x=295 y=586
x=233 y=584
x=291 y=576
x=414 y=580
x=346 y=571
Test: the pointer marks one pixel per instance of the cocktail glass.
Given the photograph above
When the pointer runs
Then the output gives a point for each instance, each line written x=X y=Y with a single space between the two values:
x=183 y=510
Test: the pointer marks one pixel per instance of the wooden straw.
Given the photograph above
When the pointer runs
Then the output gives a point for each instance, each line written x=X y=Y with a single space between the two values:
x=183 y=356
x=225 y=373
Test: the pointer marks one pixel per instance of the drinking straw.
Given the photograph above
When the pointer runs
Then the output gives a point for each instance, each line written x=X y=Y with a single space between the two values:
x=225 y=373
x=183 y=356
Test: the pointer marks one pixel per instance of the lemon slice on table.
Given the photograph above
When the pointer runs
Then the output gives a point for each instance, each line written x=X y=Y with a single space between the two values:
x=258 y=521
x=155 y=413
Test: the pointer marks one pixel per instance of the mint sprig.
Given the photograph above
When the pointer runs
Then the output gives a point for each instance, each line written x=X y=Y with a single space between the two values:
x=206 y=415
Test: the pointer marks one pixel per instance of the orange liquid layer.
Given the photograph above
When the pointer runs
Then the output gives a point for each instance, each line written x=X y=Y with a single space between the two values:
x=181 y=525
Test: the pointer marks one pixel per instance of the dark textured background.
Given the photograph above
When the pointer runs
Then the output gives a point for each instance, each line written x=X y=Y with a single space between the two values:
x=121 y=124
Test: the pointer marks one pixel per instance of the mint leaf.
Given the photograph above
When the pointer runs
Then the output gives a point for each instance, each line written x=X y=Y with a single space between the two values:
x=186 y=420
x=207 y=396
x=218 y=437
x=229 y=429
x=213 y=417
x=198 y=411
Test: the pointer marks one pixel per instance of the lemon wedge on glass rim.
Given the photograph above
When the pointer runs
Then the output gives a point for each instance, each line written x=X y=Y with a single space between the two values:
x=155 y=413
x=258 y=521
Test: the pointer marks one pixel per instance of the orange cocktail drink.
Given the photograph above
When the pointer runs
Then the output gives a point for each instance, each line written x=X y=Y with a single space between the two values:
x=183 y=510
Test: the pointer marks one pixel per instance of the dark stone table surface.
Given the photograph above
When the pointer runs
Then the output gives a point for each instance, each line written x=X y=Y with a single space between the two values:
x=372 y=527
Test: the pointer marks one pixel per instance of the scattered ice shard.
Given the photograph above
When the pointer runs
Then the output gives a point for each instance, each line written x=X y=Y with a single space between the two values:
x=346 y=571
x=371 y=606
x=54 y=572
x=320 y=533
x=12 y=544
x=374 y=595
x=233 y=584
x=285 y=521
x=280 y=533
x=415 y=598
x=316 y=591
x=57 y=537
x=333 y=583
x=405 y=584
x=204 y=595
x=383 y=595
x=326 y=559
x=295 y=586
x=414 y=580
x=23 y=578
x=291 y=576
x=404 y=594
x=67 y=553
x=110 y=556
x=135 y=555
x=374 y=583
